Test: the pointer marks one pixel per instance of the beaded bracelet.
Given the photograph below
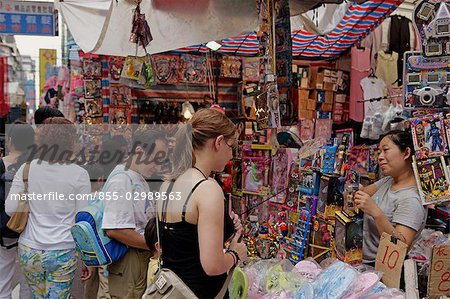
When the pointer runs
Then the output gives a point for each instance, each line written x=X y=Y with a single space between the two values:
x=235 y=254
x=234 y=257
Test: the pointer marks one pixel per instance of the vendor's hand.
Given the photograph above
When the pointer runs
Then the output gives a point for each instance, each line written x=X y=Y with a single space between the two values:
x=86 y=273
x=237 y=223
x=365 y=202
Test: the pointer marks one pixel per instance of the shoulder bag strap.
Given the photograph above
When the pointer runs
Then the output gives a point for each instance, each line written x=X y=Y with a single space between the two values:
x=169 y=189
x=26 y=173
x=166 y=202
x=225 y=285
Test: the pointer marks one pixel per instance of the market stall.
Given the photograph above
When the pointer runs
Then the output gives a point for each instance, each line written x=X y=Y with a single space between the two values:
x=311 y=108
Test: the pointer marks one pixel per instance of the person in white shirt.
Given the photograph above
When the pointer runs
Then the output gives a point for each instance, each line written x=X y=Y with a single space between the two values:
x=46 y=247
x=125 y=219
x=19 y=137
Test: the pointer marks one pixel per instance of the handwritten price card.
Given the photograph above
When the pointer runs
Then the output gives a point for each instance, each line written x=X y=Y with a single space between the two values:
x=390 y=257
x=439 y=278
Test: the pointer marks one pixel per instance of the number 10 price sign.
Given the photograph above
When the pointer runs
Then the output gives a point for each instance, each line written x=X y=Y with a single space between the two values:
x=390 y=257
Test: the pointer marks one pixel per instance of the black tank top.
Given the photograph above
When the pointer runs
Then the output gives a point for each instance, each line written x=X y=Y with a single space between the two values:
x=181 y=252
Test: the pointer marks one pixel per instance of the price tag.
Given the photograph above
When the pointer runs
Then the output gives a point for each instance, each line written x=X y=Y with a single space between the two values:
x=439 y=278
x=390 y=257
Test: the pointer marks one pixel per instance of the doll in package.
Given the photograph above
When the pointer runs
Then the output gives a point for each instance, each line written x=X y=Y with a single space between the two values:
x=432 y=180
x=255 y=170
x=429 y=136
x=280 y=173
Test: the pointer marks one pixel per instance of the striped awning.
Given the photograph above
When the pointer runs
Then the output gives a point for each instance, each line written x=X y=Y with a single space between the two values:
x=357 y=23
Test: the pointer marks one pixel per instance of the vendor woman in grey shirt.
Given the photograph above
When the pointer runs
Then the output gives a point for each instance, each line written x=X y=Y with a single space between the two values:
x=392 y=204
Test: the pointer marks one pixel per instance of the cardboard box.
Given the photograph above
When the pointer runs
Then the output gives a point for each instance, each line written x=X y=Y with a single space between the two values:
x=329 y=96
x=327 y=72
x=348 y=235
x=303 y=94
x=327 y=79
x=304 y=83
x=312 y=104
x=305 y=114
x=302 y=104
x=328 y=86
x=341 y=98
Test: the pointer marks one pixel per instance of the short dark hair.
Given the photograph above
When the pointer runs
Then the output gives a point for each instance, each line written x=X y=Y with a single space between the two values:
x=146 y=138
x=151 y=234
x=403 y=139
x=46 y=112
x=21 y=135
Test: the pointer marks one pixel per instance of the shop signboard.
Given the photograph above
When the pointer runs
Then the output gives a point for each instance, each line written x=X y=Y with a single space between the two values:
x=28 y=18
x=47 y=59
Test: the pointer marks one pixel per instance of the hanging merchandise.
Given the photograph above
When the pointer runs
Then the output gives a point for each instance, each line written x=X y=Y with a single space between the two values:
x=386 y=63
x=147 y=77
x=374 y=91
x=92 y=88
x=140 y=31
x=323 y=129
x=307 y=129
x=230 y=67
x=275 y=108
x=166 y=68
x=281 y=161
x=429 y=136
x=132 y=68
x=192 y=69
x=399 y=42
x=92 y=68
x=261 y=109
x=256 y=166
x=94 y=108
x=250 y=69
x=283 y=42
x=115 y=68
x=119 y=116
x=363 y=159
x=120 y=95
x=76 y=82
x=360 y=67
x=432 y=180
x=293 y=184
x=432 y=21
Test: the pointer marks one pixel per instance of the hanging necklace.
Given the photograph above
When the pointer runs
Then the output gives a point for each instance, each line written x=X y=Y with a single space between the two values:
x=200 y=171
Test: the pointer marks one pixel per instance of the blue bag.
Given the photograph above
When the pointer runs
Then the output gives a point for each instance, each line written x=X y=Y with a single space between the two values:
x=95 y=247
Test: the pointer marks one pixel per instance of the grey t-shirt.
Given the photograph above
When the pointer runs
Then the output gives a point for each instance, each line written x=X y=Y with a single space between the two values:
x=402 y=207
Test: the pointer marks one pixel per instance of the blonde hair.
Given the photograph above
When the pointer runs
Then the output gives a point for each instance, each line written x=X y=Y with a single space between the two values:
x=206 y=124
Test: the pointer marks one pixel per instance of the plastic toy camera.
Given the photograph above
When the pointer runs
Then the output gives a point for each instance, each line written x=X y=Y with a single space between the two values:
x=428 y=97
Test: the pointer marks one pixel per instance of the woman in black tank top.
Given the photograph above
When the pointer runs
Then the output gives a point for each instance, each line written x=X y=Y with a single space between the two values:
x=194 y=248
